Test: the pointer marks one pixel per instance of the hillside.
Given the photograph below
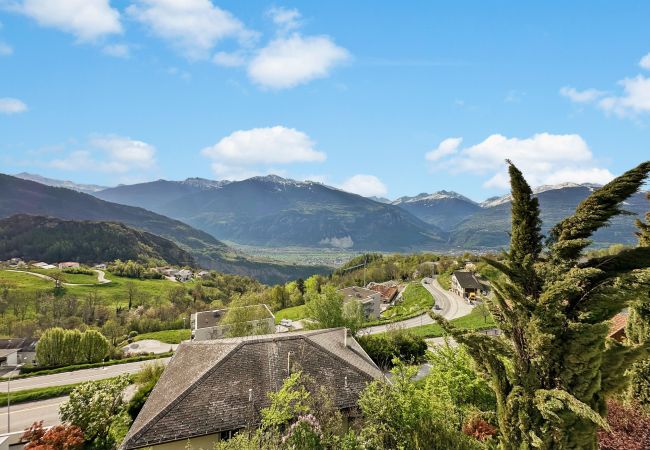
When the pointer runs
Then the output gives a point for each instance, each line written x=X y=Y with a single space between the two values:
x=273 y=211
x=19 y=196
x=50 y=239
x=85 y=188
x=489 y=227
x=444 y=209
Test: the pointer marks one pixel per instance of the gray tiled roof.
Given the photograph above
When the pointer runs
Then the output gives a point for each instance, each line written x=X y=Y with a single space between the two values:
x=206 y=387
x=467 y=280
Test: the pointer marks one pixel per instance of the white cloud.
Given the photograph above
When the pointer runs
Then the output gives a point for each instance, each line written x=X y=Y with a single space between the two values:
x=88 y=20
x=285 y=19
x=5 y=49
x=634 y=100
x=192 y=26
x=543 y=158
x=272 y=145
x=234 y=59
x=365 y=185
x=110 y=154
x=588 y=95
x=447 y=147
x=117 y=50
x=289 y=61
x=645 y=62
x=12 y=106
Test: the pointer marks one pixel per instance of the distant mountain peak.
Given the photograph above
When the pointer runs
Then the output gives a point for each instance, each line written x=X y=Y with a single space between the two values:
x=495 y=201
x=204 y=183
x=85 y=188
x=438 y=195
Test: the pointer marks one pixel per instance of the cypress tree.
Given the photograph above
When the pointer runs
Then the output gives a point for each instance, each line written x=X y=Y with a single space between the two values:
x=638 y=328
x=553 y=367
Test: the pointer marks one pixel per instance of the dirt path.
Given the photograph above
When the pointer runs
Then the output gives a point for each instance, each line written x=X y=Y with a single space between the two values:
x=101 y=277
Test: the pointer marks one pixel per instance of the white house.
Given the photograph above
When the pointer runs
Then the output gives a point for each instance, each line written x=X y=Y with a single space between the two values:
x=184 y=275
x=371 y=300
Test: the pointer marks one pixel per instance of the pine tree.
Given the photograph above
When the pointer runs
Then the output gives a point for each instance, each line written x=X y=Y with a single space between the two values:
x=638 y=329
x=553 y=367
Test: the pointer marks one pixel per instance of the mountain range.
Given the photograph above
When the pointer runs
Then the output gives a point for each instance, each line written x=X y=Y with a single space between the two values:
x=272 y=211
x=18 y=196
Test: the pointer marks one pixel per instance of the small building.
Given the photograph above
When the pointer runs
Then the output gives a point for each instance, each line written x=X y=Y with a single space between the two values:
x=465 y=283
x=168 y=271
x=44 y=265
x=69 y=265
x=212 y=389
x=101 y=266
x=387 y=291
x=203 y=274
x=184 y=275
x=8 y=357
x=25 y=349
x=370 y=300
x=253 y=320
x=617 y=327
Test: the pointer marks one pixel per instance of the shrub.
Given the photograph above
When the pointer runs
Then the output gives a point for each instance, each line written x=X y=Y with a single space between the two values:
x=59 y=437
x=385 y=347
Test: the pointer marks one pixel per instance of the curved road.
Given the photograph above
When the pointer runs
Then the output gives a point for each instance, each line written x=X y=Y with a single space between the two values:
x=451 y=306
x=101 y=277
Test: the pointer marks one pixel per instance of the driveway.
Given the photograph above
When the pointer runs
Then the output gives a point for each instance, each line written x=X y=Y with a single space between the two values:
x=451 y=307
x=149 y=346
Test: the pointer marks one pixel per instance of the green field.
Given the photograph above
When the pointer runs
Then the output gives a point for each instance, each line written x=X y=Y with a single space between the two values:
x=472 y=321
x=415 y=300
x=166 y=336
x=77 y=278
x=293 y=313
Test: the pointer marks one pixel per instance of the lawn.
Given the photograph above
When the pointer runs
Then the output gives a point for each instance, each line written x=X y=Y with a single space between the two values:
x=415 y=300
x=78 y=278
x=166 y=336
x=293 y=313
x=472 y=321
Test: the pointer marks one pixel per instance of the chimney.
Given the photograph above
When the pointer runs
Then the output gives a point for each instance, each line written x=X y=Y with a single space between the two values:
x=345 y=337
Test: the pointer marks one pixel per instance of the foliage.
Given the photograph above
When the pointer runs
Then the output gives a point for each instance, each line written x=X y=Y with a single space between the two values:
x=247 y=321
x=382 y=268
x=292 y=313
x=287 y=403
x=146 y=379
x=132 y=269
x=329 y=311
x=59 y=347
x=553 y=368
x=629 y=428
x=416 y=299
x=93 y=406
x=59 y=437
x=385 y=347
x=304 y=434
x=479 y=429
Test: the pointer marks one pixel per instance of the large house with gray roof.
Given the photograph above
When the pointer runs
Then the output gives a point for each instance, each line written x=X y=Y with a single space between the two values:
x=211 y=389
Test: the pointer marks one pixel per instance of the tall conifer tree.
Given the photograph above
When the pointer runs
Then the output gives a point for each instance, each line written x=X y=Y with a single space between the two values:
x=553 y=366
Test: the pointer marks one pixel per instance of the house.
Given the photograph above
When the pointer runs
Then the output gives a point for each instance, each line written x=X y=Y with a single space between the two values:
x=8 y=357
x=617 y=327
x=25 y=349
x=464 y=284
x=69 y=265
x=101 y=266
x=255 y=319
x=43 y=265
x=184 y=275
x=168 y=271
x=203 y=274
x=211 y=389
x=370 y=300
x=387 y=291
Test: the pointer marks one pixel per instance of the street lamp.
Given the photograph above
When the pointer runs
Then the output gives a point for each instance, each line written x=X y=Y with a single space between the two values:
x=18 y=366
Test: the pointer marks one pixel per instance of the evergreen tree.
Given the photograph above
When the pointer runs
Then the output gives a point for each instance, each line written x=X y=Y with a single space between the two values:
x=553 y=366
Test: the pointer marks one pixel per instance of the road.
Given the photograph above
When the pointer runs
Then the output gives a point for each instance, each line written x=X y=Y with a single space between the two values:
x=451 y=305
x=78 y=376
x=101 y=277
x=24 y=414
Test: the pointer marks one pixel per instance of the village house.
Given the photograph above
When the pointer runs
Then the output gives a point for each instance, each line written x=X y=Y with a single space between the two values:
x=212 y=389
x=388 y=291
x=369 y=299
x=184 y=275
x=206 y=325
x=18 y=351
x=69 y=265
x=464 y=284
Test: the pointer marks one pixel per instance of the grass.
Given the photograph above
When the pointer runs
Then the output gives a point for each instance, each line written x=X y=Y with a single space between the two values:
x=166 y=336
x=77 y=278
x=472 y=321
x=415 y=300
x=293 y=313
x=36 y=394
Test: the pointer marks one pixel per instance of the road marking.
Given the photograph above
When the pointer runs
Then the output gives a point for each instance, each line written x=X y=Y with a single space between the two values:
x=16 y=411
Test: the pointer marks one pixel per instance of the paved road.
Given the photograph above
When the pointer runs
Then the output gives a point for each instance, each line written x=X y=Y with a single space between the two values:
x=24 y=414
x=75 y=377
x=101 y=277
x=452 y=306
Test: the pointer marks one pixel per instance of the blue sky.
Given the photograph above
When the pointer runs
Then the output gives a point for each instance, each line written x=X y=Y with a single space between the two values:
x=378 y=98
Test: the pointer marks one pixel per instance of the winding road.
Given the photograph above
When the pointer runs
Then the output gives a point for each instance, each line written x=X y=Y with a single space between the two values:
x=451 y=306
x=101 y=277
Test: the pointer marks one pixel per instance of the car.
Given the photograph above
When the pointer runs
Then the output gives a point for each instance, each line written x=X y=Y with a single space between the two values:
x=437 y=307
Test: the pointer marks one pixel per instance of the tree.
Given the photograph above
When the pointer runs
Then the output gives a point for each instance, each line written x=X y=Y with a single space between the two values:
x=92 y=406
x=553 y=367
x=94 y=346
x=326 y=308
x=59 y=437
x=113 y=331
x=132 y=292
x=287 y=403
x=50 y=347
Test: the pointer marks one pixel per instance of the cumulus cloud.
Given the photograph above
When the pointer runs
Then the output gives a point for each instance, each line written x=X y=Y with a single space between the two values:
x=289 y=61
x=544 y=158
x=192 y=26
x=365 y=185
x=447 y=147
x=117 y=50
x=88 y=20
x=12 y=106
x=285 y=19
x=338 y=242
x=634 y=99
x=241 y=154
x=110 y=154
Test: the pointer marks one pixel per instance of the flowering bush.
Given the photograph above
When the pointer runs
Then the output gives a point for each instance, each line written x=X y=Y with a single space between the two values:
x=304 y=434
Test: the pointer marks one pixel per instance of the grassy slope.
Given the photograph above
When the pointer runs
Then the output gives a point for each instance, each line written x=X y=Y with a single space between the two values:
x=472 y=321
x=166 y=336
x=415 y=300
x=293 y=313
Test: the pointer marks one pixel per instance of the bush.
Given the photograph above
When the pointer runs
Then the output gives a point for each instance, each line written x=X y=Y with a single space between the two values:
x=59 y=347
x=383 y=348
x=59 y=437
